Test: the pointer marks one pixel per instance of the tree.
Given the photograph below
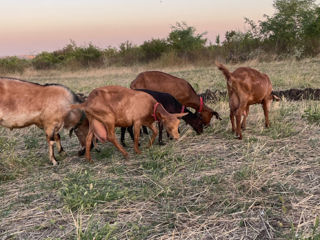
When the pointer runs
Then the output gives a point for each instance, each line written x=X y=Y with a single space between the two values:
x=184 y=39
x=154 y=48
x=287 y=28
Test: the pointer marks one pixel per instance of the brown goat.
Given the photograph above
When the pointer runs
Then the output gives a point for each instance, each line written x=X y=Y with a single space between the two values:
x=114 y=106
x=47 y=106
x=246 y=86
x=178 y=88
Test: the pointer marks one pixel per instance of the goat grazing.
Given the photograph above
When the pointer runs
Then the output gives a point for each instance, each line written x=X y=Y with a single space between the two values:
x=47 y=106
x=178 y=88
x=114 y=106
x=172 y=106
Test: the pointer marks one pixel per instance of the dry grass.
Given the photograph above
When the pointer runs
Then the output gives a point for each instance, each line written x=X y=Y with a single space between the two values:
x=208 y=186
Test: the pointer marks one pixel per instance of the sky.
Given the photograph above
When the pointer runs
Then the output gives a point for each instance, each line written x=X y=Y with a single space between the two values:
x=32 y=26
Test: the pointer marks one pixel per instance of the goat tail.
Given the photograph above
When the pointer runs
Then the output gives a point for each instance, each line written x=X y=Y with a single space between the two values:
x=223 y=69
x=80 y=106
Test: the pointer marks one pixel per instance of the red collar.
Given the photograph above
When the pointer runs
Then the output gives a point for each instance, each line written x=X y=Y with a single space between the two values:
x=154 y=111
x=182 y=109
x=201 y=105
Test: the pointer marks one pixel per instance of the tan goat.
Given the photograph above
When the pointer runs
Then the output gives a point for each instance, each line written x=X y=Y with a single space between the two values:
x=114 y=106
x=47 y=106
x=246 y=86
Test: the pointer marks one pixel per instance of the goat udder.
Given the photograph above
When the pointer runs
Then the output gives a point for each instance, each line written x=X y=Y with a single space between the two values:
x=99 y=131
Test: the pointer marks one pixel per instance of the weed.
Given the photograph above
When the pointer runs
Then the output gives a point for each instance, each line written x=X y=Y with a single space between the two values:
x=312 y=114
x=94 y=229
x=31 y=142
x=105 y=153
x=81 y=191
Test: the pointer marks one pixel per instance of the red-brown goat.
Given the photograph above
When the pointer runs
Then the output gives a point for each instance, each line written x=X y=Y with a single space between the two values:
x=177 y=87
x=47 y=106
x=114 y=106
x=246 y=86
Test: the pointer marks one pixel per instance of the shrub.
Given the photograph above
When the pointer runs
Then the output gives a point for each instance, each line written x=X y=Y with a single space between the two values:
x=183 y=39
x=129 y=54
x=153 y=49
x=13 y=65
x=89 y=56
x=45 y=60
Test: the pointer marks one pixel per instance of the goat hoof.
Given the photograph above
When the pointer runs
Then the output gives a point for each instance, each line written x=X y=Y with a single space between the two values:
x=81 y=152
x=123 y=144
x=98 y=150
x=55 y=163
x=162 y=143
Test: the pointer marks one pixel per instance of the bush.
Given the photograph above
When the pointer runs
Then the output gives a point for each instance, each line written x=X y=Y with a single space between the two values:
x=69 y=57
x=89 y=56
x=154 y=49
x=129 y=54
x=13 y=65
x=183 y=39
x=45 y=60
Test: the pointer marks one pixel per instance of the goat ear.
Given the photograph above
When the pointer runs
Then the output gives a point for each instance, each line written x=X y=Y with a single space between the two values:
x=161 y=116
x=179 y=115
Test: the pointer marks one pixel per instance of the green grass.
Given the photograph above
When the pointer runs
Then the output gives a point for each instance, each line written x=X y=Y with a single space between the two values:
x=80 y=191
x=201 y=187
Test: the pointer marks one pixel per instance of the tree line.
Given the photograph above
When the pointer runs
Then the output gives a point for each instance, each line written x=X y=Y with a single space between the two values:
x=292 y=31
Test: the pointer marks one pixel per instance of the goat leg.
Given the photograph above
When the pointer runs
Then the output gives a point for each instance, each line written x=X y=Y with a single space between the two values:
x=123 y=132
x=154 y=134
x=50 y=136
x=137 y=127
x=160 y=127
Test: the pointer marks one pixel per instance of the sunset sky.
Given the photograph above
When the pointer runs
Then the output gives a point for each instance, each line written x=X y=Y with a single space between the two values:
x=33 y=26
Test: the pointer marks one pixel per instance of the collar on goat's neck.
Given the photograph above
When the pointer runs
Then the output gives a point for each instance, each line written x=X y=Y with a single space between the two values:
x=154 y=110
x=201 y=105
x=183 y=108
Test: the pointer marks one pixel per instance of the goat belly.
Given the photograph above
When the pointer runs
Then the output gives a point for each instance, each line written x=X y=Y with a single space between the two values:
x=19 y=120
x=99 y=131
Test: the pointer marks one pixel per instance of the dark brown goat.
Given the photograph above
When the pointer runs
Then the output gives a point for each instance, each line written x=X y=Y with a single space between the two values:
x=246 y=86
x=114 y=106
x=47 y=106
x=178 y=88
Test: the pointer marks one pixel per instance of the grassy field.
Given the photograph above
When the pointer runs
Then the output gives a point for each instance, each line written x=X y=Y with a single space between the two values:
x=208 y=186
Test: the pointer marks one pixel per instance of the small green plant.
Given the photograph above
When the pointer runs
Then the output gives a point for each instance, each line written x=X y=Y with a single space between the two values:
x=242 y=174
x=10 y=163
x=312 y=114
x=81 y=191
x=105 y=153
x=31 y=142
x=280 y=130
x=93 y=230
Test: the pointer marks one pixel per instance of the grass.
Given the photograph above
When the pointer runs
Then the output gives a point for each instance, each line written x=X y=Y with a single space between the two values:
x=208 y=186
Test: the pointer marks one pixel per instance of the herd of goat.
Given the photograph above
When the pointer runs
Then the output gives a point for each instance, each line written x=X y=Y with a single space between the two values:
x=153 y=96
